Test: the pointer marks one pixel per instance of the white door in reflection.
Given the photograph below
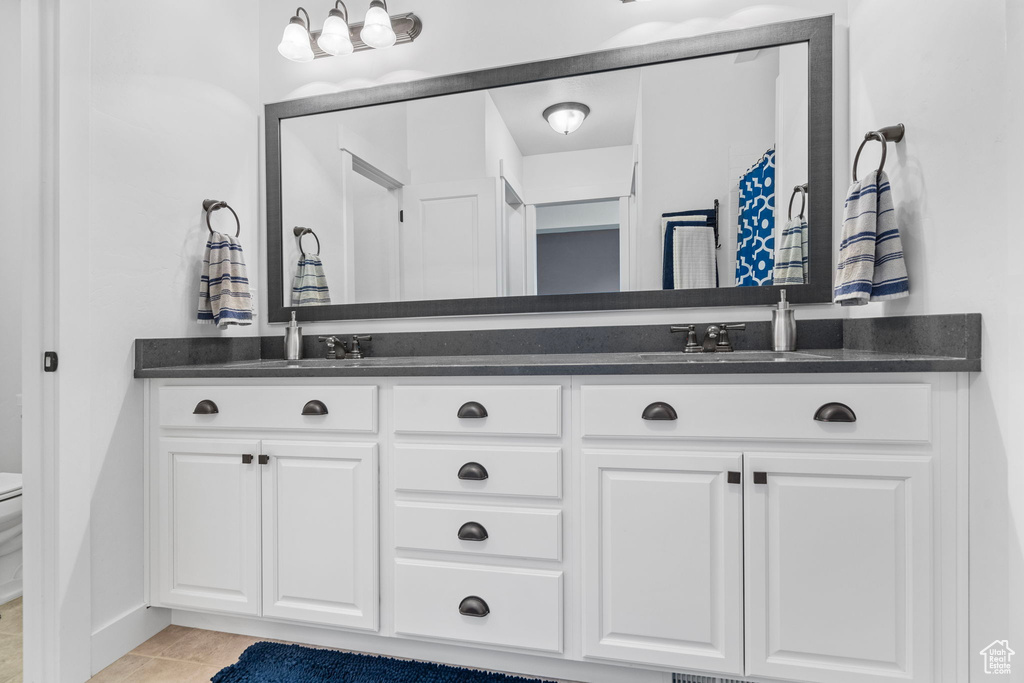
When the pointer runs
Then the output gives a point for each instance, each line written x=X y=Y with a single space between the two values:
x=448 y=240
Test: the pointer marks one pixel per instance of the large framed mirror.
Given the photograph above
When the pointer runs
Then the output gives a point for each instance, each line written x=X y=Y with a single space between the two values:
x=693 y=172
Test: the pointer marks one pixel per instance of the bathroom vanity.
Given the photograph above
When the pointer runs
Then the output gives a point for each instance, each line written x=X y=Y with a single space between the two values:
x=740 y=518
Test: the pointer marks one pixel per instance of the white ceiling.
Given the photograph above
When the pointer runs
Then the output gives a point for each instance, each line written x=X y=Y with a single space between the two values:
x=612 y=98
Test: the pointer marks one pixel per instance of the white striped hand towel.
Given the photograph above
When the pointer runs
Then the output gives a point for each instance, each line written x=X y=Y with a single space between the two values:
x=224 y=297
x=309 y=286
x=871 y=265
x=791 y=255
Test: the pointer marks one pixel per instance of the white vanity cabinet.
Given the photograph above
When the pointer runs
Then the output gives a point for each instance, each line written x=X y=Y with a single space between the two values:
x=805 y=528
x=478 y=513
x=283 y=528
x=839 y=567
x=764 y=530
x=662 y=558
x=209 y=527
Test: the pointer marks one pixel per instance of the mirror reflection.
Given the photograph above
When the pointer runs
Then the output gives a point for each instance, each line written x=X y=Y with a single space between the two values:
x=669 y=176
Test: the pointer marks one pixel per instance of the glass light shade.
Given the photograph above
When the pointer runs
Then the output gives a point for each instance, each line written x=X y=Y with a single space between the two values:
x=295 y=42
x=567 y=117
x=377 y=31
x=334 y=39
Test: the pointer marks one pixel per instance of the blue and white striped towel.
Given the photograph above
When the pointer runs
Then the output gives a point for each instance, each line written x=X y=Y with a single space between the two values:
x=791 y=255
x=871 y=265
x=224 y=297
x=309 y=286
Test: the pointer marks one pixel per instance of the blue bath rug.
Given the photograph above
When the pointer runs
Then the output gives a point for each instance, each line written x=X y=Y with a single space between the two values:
x=279 y=663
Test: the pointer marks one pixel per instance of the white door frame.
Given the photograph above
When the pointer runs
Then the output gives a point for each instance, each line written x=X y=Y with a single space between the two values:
x=55 y=461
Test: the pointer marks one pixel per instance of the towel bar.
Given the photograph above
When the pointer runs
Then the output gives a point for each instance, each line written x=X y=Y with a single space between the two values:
x=211 y=205
x=883 y=135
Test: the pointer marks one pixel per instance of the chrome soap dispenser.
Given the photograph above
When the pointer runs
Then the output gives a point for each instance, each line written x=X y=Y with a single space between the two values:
x=293 y=340
x=783 y=326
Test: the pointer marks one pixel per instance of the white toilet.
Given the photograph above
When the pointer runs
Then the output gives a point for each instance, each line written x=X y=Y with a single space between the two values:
x=10 y=536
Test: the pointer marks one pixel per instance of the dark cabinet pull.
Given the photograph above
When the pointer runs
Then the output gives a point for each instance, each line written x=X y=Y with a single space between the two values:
x=264 y=459
x=473 y=606
x=760 y=477
x=314 y=408
x=835 y=412
x=472 y=410
x=659 y=411
x=472 y=531
x=735 y=478
x=473 y=471
x=247 y=459
x=206 y=407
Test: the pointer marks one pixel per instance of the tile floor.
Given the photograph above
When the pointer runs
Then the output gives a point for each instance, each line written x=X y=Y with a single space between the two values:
x=10 y=642
x=175 y=655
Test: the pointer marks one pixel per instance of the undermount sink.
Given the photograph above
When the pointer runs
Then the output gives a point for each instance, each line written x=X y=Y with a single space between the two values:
x=733 y=357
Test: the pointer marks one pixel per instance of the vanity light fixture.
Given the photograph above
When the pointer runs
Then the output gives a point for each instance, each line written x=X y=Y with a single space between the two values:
x=338 y=37
x=295 y=43
x=566 y=117
x=335 y=38
x=377 y=31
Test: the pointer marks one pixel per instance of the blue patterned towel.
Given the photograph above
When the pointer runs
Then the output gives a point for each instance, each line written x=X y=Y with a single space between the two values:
x=791 y=255
x=871 y=265
x=224 y=297
x=309 y=286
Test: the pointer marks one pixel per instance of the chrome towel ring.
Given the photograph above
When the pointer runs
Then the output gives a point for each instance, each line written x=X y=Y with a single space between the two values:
x=883 y=135
x=211 y=205
x=299 y=232
x=802 y=189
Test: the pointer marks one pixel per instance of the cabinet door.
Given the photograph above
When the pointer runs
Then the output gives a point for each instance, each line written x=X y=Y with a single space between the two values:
x=838 y=567
x=320 y=533
x=208 y=516
x=662 y=559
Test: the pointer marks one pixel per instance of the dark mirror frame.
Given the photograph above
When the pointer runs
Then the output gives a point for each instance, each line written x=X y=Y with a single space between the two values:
x=815 y=32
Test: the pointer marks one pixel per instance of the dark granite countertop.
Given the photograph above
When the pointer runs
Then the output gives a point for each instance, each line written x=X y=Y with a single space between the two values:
x=945 y=343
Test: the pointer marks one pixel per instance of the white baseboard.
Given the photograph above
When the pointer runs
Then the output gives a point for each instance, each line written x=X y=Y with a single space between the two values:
x=124 y=634
x=10 y=590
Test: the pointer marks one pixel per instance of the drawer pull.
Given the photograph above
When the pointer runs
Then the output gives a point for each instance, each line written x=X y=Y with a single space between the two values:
x=314 y=408
x=473 y=471
x=659 y=411
x=472 y=531
x=472 y=410
x=735 y=478
x=247 y=459
x=206 y=407
x=835 y=412
x=760 y=477
x=474 y=607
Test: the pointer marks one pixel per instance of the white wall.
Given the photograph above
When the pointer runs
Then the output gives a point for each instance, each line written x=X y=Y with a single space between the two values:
x=11 y=242
x=956 y=180
x=173 y=120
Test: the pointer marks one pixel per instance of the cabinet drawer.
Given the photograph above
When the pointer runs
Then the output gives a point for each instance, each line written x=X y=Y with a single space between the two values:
x=349 y=409
x=468 y=469
x=884 y=412
x=479 y=530
x=504 y=410
x=524 y=607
